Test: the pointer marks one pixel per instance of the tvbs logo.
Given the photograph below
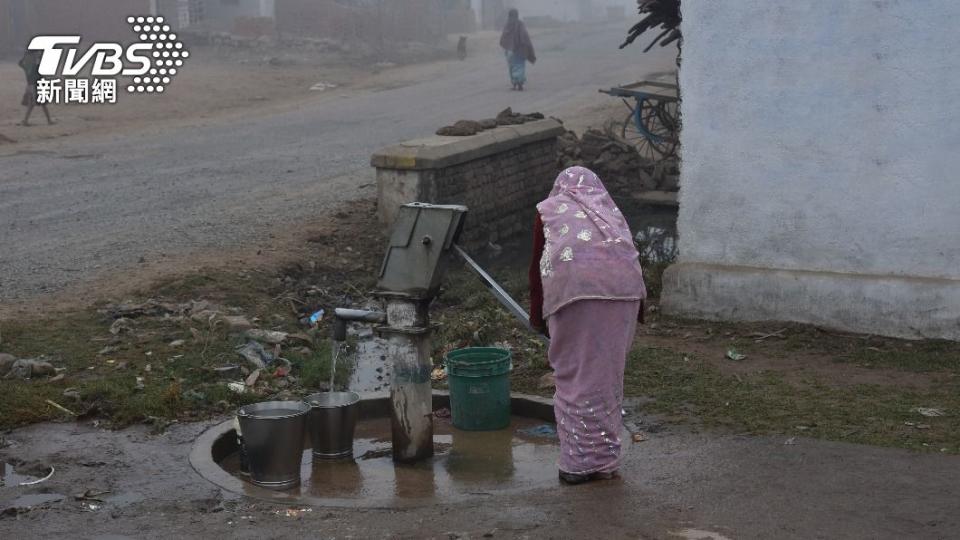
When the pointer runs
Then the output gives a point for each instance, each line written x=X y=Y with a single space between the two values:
x=150 y=63
x=107 y=58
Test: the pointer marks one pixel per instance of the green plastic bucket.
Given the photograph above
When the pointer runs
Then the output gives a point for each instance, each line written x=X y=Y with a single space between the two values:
x=479 y=379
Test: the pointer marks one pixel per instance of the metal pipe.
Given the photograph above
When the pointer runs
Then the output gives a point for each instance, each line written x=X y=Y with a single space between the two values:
x=501 y=295
x=408 y=350
x=360 y=315
x=342 y=315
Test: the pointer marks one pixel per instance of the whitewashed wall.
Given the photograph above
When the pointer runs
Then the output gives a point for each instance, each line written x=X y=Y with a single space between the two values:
x=821 y=171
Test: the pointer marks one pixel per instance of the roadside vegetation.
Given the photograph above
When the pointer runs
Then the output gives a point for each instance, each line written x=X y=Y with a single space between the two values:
x=173 y=363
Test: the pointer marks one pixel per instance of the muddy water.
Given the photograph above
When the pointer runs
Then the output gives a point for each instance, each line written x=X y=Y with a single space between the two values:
x=36 y=499
x=465 y=464
x=9 y=477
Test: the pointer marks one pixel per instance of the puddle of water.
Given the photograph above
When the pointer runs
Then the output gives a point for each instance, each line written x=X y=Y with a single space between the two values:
x=36 y=499
x=465 y=463
x=124 y=499
x=9 y=477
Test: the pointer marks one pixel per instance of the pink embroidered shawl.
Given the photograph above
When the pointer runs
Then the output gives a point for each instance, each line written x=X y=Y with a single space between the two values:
x=588 y=251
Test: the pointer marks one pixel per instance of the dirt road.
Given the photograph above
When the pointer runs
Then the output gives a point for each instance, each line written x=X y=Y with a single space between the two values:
x=80 y=207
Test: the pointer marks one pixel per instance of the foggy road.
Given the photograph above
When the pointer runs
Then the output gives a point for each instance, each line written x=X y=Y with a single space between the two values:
x=82 y=207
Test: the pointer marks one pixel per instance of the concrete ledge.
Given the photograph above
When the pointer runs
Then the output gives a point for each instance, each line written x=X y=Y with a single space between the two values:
x=438 y=151
x=896 y=306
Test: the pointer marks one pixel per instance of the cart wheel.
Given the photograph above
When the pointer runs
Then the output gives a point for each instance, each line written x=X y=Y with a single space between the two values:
x=656 y=135
x=635 y=134
x=668 y=121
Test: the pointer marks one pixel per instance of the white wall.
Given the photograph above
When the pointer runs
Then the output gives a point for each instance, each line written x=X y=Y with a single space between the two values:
x=823 y=137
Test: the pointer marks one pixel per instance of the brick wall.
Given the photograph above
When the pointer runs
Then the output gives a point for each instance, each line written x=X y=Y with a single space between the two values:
x=500 y=175
x=501 y=190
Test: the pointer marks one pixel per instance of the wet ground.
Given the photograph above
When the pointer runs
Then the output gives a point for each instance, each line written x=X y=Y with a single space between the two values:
x=673 y=485
x=466 y=465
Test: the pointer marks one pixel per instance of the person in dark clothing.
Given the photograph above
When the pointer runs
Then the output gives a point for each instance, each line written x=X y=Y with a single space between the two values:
x=30 y=64
x=518 y=49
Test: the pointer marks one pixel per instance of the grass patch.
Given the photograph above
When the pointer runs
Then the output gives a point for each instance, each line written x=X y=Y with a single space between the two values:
x=250 y=292
x=921 y=357
x=176 y=383
x=690 y=390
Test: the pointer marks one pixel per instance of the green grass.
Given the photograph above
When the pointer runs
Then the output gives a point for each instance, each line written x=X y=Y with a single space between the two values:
x=107 y=384
x=921 y=357
x=180 y=383
x=693 y=391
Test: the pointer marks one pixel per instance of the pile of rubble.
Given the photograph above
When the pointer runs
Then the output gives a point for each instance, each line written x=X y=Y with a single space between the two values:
x=466 y=128
x=617 y=162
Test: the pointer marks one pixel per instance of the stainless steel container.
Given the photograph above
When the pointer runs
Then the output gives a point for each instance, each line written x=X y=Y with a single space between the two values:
x=273 y=433
x=333 y=418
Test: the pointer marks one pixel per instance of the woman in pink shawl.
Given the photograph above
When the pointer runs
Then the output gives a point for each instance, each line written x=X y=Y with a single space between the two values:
x=586 y=288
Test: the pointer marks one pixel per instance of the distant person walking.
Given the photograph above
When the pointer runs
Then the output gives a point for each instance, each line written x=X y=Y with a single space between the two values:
x=518 y=49
x=30 y=64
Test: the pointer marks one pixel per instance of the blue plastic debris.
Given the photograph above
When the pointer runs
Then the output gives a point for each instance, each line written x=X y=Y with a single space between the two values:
x=548 y=431
x=315 y=318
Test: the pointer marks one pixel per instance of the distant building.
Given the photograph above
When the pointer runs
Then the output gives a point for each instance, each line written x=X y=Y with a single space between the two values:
x=819 y=176
x=493 y=13
x=94 y=20
x=374 y=21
